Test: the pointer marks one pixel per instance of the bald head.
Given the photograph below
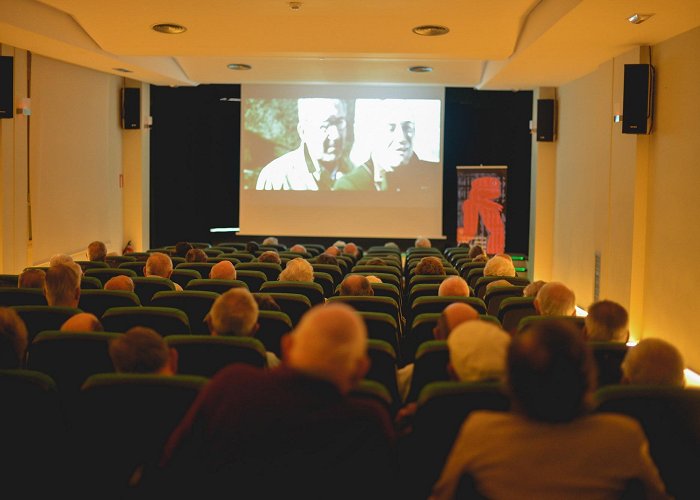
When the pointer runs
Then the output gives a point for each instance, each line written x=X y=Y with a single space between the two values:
x=120 y=282
x=653 y=362
x=97 y=251
x=82 y=322
x=332 y=250
x=223 y=270
x=330 y=342
x=452 y=316
x=350 y=249
x=454 y=286
x=555 y=299
x=356 y=285
x=298 y=249
x=158 y=265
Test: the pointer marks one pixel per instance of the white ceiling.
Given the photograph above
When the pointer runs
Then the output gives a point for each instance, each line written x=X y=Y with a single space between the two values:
x=499 y=44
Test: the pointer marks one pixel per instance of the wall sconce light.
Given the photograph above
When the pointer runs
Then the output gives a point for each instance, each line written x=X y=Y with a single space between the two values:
x=24 y=106
x=617 y=113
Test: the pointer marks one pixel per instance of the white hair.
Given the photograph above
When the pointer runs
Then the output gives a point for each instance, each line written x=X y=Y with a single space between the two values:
x=556 y=299
x=270 y=240
x=234 y=313
x=422 y=242
x=478 y=351
x=499 y=266
x=297 y=270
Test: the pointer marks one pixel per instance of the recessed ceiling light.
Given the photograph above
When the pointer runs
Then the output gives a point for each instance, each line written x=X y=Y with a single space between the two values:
x=431 y=30
x=239 y=67
x=122 y=70
x=420 y=69
x=169 y=28
x=638 y=18
x=295 y=5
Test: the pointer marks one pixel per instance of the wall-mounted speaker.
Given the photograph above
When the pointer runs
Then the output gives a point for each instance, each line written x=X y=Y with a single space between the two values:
x=6 y=87
x=546 y=120
x=131 y=108
x=638 y=99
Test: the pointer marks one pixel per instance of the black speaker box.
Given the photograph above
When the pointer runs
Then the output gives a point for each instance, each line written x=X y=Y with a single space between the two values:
x=546 y=120
x=638 y=99
x=131 y=108
x=6 y=87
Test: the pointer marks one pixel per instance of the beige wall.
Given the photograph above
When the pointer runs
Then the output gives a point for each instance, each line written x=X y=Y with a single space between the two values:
x=75 y=152
x=633 y=199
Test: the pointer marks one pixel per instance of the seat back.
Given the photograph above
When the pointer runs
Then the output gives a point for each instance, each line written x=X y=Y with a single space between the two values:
x=254 y=279
x=147 y=287
x=423 y=290
x=381 y=326
x=22 y=297
x=528 y=321
x=124 y=422
x=608 y=359
x=293 y=305
x=205 y=355
x=670 y=417
x=9 y=280
x=442 y=408
x=164 y=320
x=273 y=325
x=387 y=290
x=195 y=304
x=312 y=291
x=326 y=282
x=104 y=275
x=495 y=296
x=98 y=301
x=203 y=268
x=183 y=276
x=383 y=368
x=385 y=277
x=218 y=286
x=436 y=304
x=40 y=318
x=136 y=266
x=513 y=309
x=421 y=330
x=114 y=260
x=90 y=283
x=432 y=358
x=334 y=271
x=473 y=275
x=89 y=264
x=270 y=269
x=482 y=283
x=370 y=304
x=376 y=269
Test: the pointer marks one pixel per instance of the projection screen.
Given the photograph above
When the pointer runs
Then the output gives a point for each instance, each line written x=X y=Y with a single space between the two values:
x=324 y=160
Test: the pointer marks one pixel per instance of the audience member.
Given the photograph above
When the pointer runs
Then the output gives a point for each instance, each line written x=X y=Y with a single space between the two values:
x=62 y=258
x=391 y=244
x=142 y=350
x=266 y=302
x=532 y=289
x=373 y=279
x=252 y=247
x=607 y=321
x=297 y=270
x=270 y=256
x=82 y=322
x=351 y=250
x=270 y=241
x=548 y=446
x=356 y=285
x=653 y=362
x=430 y=265
x=195 y=255
x=339 y=244
x=159 y=265
x=326 y=258
x=298 y=249
x=97 y=251
x=32 y=278
x=181 y=248
x=223 y=270
x=499 y=265
x=62 y=287
x=454 y=286
x=332 y=250
x=481 y=258
x=235 y=313
x=478 y=352
x=475 y=251
x=294 y=424
x=555 y=299
x=498 y=284
x=13 y=339
x=120 y=282
x=422 y=242
x=376 y=261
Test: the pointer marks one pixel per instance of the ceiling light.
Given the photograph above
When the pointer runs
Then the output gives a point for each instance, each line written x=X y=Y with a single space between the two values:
x=239 y=67
x=638 y=18
x=169 y=28
x=122 y=70
x=295 y=5
x=420 y=69
x=431 y=30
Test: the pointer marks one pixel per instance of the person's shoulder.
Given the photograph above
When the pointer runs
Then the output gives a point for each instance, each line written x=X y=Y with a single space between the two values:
x=359 y=178
x=486 y=418
x=620 y=425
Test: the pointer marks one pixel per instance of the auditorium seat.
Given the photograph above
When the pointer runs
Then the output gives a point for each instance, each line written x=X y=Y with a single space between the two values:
x=40 y=318
x=430 y=365
x=147 y=287
x=183 y=276
x=218 y=286
x=670 y=417
x=196 y=304
x=442 y=408
x=357 y=269
x=423 y=290
x=421 y=330
x=467 y=267
x=473 y=275
x=164 y=320
x=202 y=268
x=334 y=271
x=98 y=301
x=437 y=304
x=496 y=294
x=383 y=368
x=139 y=256
x=326 y=282
x=104 y=275
x=124 y=422
x=371 y=304
x=88 y=264
x=252 y=278
x=385 y=277
x=271 y=270
x=273 y=325
x=115 y=260
x=387 y=290
x=608 y=358
x=481 y=283
x=212 y=252
x=381 y=326
x=371 y=390
x=312 y=291
x=136 y=266
x=234 y=245
x=528 y=321
x=513 y=309
x=240 y=256
x=200 y=244
x=22 y=297
x=292 y=304
x=422 y=279
x=9 y=280
x=90 y=283
x=205 y=355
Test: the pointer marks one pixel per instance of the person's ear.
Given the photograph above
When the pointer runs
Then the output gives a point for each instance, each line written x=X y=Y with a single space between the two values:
x=451 y=372
x=255 y=329
x=173 y=360
x=144 y=271
x=286 y=346
x=536 y=304
x=207 y=320
x=361 y=368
